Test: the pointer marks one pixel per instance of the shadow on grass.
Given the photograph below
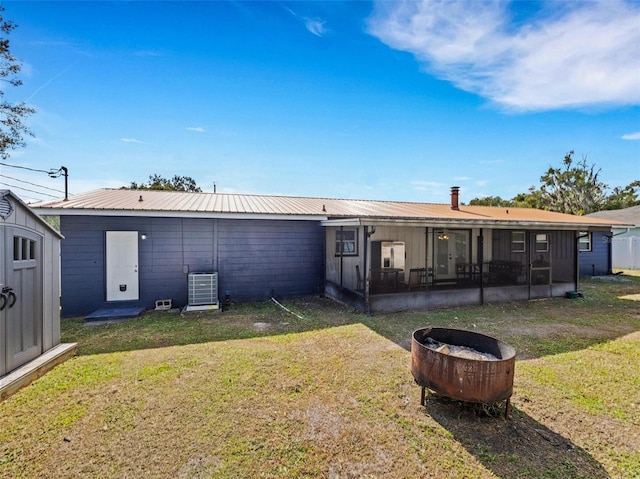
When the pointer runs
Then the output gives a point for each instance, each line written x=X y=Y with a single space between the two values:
x=517 y=447
x=534 y=329
x=158 y=329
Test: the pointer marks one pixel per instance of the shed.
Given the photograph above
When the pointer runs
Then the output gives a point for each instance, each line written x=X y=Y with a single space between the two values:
x=29 y=294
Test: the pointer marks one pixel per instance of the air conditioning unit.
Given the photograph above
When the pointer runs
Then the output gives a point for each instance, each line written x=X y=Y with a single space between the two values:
x=203 y=291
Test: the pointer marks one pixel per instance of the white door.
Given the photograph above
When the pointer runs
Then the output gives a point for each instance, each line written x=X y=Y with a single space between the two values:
x=122 y=265
x=450 y=250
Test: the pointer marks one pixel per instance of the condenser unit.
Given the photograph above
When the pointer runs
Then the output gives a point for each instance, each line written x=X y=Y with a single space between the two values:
x=203 y=291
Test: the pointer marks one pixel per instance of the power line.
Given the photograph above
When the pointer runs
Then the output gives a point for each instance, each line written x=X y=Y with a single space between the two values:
x=27 y=168
x=26 y=189
x=63 y=170
x=29 y=183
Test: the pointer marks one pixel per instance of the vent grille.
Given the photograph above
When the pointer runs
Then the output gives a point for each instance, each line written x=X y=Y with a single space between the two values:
x=203 y=288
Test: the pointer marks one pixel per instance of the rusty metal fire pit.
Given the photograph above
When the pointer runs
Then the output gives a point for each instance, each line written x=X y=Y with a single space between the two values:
x=483 y=381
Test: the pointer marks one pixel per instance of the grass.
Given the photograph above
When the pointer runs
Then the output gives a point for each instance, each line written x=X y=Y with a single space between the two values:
x=256 y=392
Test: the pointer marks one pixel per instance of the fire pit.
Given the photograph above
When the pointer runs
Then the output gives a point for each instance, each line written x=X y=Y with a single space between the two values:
x=463 y=365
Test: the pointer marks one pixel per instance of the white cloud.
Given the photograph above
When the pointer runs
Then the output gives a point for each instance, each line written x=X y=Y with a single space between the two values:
x=130 y=140
x=315 y=26
x=568 y=55
x=632 y=136
x=198 y=129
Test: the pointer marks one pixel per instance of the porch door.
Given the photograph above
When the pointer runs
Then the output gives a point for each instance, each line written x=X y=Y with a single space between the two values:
x=122 y=265
x=450 y=248
x=21 y=298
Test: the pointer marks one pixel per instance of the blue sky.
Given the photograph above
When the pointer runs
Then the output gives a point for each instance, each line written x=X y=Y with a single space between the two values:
x=390 y=100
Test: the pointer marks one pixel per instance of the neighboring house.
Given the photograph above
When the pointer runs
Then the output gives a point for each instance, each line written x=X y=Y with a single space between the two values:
x=132 y=248
x=29 y=292
x=619 y=249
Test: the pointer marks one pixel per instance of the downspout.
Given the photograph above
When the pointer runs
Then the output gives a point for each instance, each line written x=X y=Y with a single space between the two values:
x=480 y=259
x=527 y=238
x=576 y=260
x=341 y=252
x=367 y=239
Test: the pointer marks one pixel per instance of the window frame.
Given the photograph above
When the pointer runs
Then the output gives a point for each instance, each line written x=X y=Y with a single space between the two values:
x=545 y=242
x=344 y=237
x=585 y=237
x=522 y=243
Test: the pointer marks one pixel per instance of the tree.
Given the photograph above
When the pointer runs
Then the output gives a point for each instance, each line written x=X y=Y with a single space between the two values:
x=12 y=115
x=573 y=188
x=623 y=197
x=157 y=182
x=491 y=201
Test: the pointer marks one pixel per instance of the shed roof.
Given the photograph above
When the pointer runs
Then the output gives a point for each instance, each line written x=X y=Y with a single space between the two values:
x=7 y=210
x=120 y=202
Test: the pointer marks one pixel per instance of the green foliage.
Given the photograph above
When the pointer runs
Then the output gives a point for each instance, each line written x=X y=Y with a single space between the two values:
x=12 y=115
x=573 y=188
x=623 y=197
x=157 y=182
x=491 y=201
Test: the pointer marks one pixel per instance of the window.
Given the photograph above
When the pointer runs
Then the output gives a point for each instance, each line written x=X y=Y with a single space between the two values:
x=542 y=243
x=584 y=241
x=518 y=242
x=24 y=249
x=347 y=242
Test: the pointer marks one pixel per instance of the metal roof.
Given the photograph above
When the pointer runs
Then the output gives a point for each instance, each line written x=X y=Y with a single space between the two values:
x=121 y=202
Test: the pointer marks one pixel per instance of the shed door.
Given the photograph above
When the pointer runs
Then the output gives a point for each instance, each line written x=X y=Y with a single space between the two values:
x=122 y=265
x=21 y=298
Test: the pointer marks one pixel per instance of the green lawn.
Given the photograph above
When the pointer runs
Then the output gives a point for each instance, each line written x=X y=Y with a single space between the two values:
x=257 y=392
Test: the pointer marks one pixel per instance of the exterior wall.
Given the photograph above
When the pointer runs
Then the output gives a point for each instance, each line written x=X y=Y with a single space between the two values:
x=261 y=259
x=341 y=270
x=254 y=258
x=597 y=262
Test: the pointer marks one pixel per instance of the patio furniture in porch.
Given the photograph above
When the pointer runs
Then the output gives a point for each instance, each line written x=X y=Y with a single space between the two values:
x=417 y=279
x=385 y=280
x=467 y=273
x=501 y=272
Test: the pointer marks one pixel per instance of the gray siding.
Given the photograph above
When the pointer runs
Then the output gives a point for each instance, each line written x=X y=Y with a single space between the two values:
x=597 y=262
x=255 y=259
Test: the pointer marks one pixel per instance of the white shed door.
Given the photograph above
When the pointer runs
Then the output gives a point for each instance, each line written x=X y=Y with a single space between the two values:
x=122 y=265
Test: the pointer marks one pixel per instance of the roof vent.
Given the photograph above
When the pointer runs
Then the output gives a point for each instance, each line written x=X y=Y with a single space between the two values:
x=140 y=198
x=455 y=193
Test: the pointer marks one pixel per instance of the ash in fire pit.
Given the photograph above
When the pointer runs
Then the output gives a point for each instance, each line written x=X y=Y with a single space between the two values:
x=458 y=351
